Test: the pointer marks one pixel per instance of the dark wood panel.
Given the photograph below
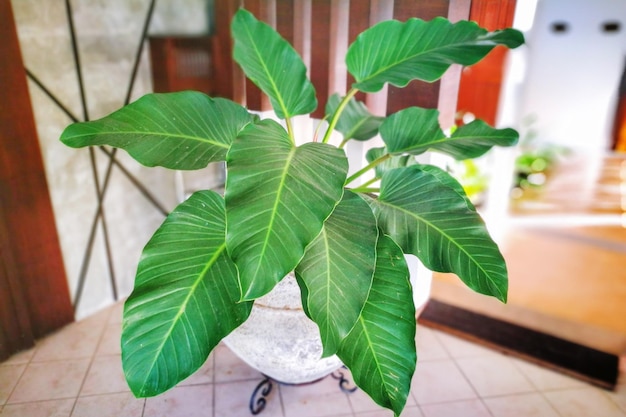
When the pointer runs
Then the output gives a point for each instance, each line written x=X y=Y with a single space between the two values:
x=27 y=209
x=285 y=14
x=591 y=365
x=229 y=78
x=15 y=327
x=417 y=93
x=320 y=52
x=181 y=63
x=255 y=99
x=360 y=15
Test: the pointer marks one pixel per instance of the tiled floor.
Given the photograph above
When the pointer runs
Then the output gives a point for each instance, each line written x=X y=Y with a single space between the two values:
x=77 y=372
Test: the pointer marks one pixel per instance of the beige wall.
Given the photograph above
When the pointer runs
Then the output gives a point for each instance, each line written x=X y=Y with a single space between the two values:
x=108 y=33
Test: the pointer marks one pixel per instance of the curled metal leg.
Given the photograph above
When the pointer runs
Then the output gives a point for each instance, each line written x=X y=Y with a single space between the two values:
x=344 y=383
x=258 y=398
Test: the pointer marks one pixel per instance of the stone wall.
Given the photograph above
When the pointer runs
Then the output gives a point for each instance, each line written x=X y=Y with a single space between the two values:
x=108 y=34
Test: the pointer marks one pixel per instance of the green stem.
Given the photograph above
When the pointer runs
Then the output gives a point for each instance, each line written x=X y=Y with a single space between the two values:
x=370 y=182
x=365 y=190
x=290 y=130
x=368 y=167
x=333 y=122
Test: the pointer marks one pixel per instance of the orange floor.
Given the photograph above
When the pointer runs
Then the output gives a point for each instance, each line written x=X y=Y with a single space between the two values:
x=565 y=248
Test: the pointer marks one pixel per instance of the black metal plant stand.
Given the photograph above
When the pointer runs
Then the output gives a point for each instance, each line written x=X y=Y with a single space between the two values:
x=258 y=399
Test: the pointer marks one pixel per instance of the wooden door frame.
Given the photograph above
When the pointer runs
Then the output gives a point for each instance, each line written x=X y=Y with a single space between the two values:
x=34 y=289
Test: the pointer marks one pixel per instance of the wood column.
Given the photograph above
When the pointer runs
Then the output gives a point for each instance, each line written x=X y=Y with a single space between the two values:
x=31 y=260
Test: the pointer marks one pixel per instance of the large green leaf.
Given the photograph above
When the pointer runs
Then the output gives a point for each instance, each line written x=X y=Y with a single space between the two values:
x=273 y=65
x=355 y=122
x=380 y=349
x=337 y=269
x=185 y=298
x=474 y=139
x=415 y=130
x=398 y=52
x=277 y=198
x=426 y=212
x=396 y=161
x=184 y=130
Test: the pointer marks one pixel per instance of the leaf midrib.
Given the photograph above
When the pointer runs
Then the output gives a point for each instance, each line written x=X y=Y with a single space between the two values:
x=415 y=56
x=450 y=239
x=182 y=308
x=278 y=96
x=279 y=192
x=169 y=135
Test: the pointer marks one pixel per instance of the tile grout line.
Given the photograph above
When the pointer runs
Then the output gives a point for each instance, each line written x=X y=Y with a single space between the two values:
x=467 y=379
x=93 y=357
x=26 y=365
x=541 y=392
x=214 y=399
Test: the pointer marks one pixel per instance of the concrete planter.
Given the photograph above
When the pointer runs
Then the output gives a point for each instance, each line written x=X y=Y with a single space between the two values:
x=281 y=342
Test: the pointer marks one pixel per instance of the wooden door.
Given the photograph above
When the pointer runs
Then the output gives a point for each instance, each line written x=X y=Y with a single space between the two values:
x=34 y=296
x=479 y=91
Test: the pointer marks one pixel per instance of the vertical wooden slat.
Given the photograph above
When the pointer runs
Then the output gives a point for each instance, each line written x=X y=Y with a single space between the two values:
x=360 y=15
x=229 y=78
x=450 y=82
x=27 y=210
x=285 y=14
x=320 y=52
x=255 y=99
x=480 y=84
x=417 y=93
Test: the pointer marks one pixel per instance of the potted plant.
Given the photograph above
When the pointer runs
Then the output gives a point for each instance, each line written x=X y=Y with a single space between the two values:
x=296 y=208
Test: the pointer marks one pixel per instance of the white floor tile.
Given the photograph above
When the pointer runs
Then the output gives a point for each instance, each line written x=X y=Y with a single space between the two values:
x=583 y=402
x=440 y=381
x=460 y=348
x=546 y=379
x=228 y=367
x=9 y=376
x=77 y=340
x=428 y=345
x=619 y=397
x=109 y=405
x=319 y=399
x=527 y=405
x=193 y=401
x=54 y=408
x=105 y=376
x=494 y=375
x=471 y=408
x=232 y=399
x=50 y=380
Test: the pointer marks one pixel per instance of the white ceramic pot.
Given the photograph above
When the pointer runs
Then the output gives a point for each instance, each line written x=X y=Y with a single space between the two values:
x=281 y=342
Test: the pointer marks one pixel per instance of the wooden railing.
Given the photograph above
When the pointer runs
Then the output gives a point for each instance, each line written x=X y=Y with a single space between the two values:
x=320 y=30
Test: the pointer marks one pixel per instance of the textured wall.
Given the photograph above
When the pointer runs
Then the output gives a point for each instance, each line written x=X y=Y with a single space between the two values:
x=108 y=33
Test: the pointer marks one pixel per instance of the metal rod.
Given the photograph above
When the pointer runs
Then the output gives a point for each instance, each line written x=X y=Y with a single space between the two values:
x=140 y=187
x=144 y=34
x=101 y=192
x=51 y=96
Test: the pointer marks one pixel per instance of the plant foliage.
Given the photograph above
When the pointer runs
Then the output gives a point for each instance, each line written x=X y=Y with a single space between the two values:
x=294 y=208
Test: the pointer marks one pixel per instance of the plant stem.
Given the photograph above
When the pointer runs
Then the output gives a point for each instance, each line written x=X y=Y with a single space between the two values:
x=365 y=190
x=333 y=122
x=368 y=167
x=290 y=129
x=370 y=182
